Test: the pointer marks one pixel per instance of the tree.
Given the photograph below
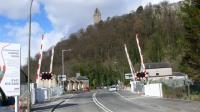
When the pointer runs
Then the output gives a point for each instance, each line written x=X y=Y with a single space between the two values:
x=191 y=19
x=98 y=46
x=139 y=10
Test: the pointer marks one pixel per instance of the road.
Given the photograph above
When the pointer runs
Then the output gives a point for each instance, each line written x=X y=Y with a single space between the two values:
x=104 y=101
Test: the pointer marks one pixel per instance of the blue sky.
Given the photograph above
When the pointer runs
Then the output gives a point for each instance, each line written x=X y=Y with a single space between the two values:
x=55 y=18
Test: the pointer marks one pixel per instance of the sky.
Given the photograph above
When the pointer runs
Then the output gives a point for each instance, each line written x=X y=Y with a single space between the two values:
x=55 y=19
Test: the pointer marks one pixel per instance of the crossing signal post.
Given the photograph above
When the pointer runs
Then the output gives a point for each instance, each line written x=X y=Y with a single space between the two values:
x=46 y=76
x=141 y=75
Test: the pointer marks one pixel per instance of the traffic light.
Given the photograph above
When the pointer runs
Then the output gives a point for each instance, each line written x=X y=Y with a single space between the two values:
x=49 y=76
x=141 y=75
x=43 y=76
x=46 y=76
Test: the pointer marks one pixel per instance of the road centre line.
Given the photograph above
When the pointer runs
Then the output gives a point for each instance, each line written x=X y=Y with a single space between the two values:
x=104 y=108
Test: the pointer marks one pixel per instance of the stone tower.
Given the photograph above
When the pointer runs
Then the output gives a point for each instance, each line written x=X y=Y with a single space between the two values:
x=97 y=16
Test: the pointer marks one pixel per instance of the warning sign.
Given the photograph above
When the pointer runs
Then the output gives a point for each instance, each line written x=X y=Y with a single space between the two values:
x=10 y=68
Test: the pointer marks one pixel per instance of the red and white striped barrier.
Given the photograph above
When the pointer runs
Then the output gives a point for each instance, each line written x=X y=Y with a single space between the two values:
x=141 y=56
x=51 y=64
x=40 y=60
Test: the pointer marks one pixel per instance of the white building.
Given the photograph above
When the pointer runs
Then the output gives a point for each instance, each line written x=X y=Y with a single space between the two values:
x=97 y=16
x=162 y=72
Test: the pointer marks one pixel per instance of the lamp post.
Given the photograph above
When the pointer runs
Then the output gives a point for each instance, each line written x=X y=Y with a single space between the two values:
x=29 y=54
x=63 y=65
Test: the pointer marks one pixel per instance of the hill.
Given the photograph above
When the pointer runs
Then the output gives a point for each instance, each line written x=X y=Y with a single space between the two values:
x=98 y=50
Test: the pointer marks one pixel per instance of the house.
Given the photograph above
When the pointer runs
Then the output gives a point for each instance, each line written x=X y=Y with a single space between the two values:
x=179 y=75
x=84 y=82
x=77 y=83
x=158 y=71
x=72 y=84
x=163 y=71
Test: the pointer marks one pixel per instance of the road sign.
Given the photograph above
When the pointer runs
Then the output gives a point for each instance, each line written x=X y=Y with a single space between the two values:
x=62 y=78
x=10 y=68
x=128 y=76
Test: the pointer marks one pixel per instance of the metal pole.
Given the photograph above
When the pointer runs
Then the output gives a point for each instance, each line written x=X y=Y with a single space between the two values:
x=62 y=66
x=29 y=54
x=63 y=62
x=189 y=91
x=16 y=104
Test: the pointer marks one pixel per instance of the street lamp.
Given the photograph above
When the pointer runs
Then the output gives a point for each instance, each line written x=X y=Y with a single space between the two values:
x=29 y=54
x=63 y=65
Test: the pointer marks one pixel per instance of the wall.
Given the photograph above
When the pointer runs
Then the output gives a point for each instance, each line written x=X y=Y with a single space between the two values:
x=153 y=90
x=161 y=71
x=164 y=78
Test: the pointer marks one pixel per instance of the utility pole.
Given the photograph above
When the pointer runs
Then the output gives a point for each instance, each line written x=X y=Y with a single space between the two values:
x=29 y=54
x=63 y=65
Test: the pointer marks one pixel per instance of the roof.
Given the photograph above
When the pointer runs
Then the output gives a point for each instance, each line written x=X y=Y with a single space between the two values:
x=157 y=65
x=73 y=79
x=82 y=78
x=97 y=11
x=178 y=74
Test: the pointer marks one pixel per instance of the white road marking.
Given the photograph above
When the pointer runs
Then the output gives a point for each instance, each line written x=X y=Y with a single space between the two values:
x=104 y=108
x=129 y=99
x=64 y=101
x=123 y=97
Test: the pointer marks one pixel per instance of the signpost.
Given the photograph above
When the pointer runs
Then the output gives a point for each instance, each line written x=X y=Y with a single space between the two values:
x=62 y=78
x=128 y=76
x=10 y=70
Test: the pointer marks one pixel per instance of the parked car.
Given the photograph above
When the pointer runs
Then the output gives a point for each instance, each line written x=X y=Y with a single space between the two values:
x=86 y=89
x=112 y=88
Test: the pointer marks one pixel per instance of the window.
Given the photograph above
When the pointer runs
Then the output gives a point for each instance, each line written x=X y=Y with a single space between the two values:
x=157 y=74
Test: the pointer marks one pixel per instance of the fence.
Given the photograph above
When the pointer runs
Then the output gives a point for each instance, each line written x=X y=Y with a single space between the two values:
x=181 y=89
x=137 y=86
x=195 y=90
x=45 y=94
x=56 y=91
x=23 y=97
x=171 y=83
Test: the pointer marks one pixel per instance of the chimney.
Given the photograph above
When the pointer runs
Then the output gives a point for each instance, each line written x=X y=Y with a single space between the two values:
x=78 y=74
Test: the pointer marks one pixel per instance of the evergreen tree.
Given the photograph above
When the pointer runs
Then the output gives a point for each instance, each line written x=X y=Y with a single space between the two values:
x=191 y=19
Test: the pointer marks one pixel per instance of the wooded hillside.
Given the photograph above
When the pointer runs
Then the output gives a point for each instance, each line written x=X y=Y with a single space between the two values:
x=98 y=50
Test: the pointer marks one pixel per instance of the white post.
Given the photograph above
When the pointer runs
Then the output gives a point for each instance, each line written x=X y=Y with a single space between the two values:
x=40 y=60
x=16 y=104
x=142 y=69
x=51 y=64
x=129 y=62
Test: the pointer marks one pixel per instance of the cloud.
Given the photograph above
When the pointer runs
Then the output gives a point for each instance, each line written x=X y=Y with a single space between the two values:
x=66 y=16
x=71 y=15
x=17 y=9
x=20 y=35
x=51 y=39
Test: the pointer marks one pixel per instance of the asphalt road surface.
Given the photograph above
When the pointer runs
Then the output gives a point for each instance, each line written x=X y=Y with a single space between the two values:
x=105 y=101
